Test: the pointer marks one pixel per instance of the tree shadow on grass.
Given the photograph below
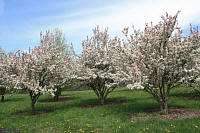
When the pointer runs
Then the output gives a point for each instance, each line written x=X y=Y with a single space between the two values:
x=42 y=109
x=109 y=102
x=28 y=113
x=95 y=101
x=118 y=106
x=64 y=102
x=12 y=99
x=61 y=99
x=122 y=90
x=137 y=105
x=46 y=105
x=190 y=95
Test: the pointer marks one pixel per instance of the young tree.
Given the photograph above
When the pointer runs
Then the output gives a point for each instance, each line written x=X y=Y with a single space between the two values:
x=42 y=69
x=61 y=44
x=98 y=63
x=160 y=57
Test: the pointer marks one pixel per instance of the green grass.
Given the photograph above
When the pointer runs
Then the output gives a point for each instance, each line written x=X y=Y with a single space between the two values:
x=71 y=117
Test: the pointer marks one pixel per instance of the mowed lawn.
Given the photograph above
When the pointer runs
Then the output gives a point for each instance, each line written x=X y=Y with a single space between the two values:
x=75 y=116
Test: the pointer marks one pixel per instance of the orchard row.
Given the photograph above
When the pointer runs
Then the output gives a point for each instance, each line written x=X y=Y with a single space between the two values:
x=156 y=59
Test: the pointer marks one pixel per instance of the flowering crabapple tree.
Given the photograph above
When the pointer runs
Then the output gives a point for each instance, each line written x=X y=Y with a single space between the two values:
x=7 y=71
x=2 y=77
x=160 y=57
x=3 y=83
x=97 y=63
x=194 y=73
x=41 y=70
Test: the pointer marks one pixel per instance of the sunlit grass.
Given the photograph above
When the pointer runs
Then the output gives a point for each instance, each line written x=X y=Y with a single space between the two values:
x=72 y=117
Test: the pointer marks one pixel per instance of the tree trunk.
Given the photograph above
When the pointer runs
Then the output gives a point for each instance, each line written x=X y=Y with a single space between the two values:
x=2 y=98
x=32 y=107
x=34 y=98
x=164 y=105
x=161 y=96
x=161 y=105
x=57 y=94
x=102 y=101
x=55 y=98
x=2 y=93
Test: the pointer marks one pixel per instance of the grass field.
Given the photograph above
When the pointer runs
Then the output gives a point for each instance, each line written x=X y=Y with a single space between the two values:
x=74 y=117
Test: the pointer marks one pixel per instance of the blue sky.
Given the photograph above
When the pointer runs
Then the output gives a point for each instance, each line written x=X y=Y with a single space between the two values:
x=22 y=20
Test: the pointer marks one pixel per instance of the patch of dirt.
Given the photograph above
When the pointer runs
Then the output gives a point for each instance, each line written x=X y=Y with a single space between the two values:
x=61 y=99
x=109 y=104
x=29 y=114
x=174 y=114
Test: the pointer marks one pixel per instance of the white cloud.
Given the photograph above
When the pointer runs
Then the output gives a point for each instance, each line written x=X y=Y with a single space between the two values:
x=117 y=16
x=126 y=13
x=138 y=14
x=122 y=14
x=78 y=13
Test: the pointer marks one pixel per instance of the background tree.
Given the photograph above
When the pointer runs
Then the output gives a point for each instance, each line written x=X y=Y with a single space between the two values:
x=61 y=44
x=160 y=57
x=60 y=41
x=98 y=64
